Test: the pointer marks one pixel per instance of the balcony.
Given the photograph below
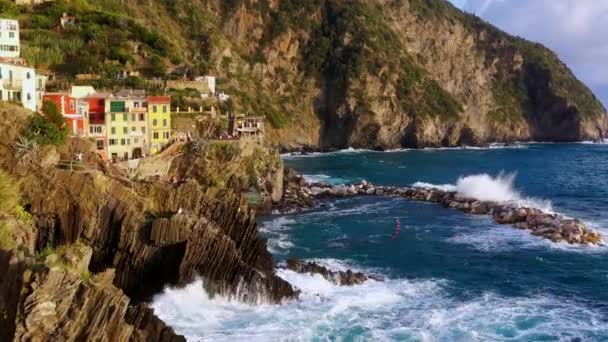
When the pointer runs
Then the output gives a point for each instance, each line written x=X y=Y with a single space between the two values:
x=137 y=110
x=12 y=84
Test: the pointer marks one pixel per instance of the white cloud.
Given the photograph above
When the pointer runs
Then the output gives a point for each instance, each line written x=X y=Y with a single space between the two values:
x=576 y=29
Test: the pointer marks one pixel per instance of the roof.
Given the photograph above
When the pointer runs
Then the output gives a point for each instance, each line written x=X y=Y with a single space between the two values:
x=159 y=99
x=98 y=96
x=131 y=93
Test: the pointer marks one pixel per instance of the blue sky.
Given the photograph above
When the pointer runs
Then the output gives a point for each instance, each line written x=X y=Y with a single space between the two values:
x=576 y=29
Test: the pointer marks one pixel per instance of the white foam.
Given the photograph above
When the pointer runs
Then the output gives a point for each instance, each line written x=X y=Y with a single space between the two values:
x=484 y=187
x=442 y=187
x=277 y=232
x=396 y=309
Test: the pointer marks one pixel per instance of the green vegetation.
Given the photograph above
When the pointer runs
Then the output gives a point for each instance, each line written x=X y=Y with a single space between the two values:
x=49 y=129
x=103 y=32
x=11 y=213
x=512 y=86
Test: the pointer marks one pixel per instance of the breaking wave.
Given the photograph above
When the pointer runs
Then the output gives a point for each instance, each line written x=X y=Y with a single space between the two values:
x=397 y=309
x=485 y=187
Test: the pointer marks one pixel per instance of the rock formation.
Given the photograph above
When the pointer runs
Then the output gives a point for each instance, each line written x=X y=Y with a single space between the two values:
x=547 y=225
x=114 y=242
x=341 y=278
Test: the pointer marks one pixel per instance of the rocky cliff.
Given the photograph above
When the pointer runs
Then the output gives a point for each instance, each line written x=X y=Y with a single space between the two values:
x=83 y=248
x=396 y=73
x=337 y=73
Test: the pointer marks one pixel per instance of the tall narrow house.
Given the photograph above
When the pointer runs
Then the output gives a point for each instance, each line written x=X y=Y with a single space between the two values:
x=159 y=122
x=126 y=125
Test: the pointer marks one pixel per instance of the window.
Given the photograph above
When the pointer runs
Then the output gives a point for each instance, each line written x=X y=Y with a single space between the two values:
x=113 y=130
x=126 y=155
x=133 y=129
x=113 y=117
x=155 y=135
x=29 y=97
x=164 y=109
x=165 y=135
x=125 y=130
x=117 y=107
x=132 y=117
x=72 y=104
x=113 y=142
x=128 y=141
x=164 y=122
x=125 y=117
x=95 y=129
x=142 y=117
x=122 y=142
x=154 y=109
x=136 y=140
x=154 y=122
x=11 y=34
x=100 y=144
x=143 y=130
x=28 y=75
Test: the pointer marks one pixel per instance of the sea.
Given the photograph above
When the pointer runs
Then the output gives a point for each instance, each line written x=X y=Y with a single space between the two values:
x=448 y=276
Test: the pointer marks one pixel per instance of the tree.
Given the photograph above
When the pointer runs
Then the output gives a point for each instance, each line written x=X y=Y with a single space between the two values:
x=52 y=113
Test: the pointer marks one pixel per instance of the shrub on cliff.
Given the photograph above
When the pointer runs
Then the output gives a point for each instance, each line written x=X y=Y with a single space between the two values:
x=46 y=130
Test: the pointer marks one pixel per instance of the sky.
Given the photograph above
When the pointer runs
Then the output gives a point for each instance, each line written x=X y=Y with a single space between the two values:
x=576 y=29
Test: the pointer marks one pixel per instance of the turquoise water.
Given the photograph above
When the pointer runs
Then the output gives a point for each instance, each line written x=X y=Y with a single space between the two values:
x=449 y=276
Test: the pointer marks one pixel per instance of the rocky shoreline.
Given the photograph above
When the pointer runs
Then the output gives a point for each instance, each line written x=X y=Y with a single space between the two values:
x=301 y=195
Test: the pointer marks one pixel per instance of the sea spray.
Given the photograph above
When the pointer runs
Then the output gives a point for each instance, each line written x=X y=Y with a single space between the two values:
x=484 y=187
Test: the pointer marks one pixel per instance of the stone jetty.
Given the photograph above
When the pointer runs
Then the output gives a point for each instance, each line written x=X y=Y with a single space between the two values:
x=557 y=228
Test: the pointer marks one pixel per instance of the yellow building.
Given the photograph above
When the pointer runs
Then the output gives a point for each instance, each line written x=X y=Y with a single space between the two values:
x=159 y=122
x=126 y=126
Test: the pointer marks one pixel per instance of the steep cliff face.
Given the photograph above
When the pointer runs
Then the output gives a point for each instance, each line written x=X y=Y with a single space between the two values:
x=88 y=247
x=56 y=299
x=390 y=73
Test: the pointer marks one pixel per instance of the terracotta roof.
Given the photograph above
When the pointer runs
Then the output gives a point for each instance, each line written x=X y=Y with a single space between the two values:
x=159 y=99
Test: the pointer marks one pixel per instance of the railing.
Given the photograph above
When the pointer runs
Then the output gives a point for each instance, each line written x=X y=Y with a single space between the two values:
x=76 y=166
x=12 y=84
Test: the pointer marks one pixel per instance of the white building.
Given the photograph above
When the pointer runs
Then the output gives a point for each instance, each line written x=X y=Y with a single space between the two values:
x=19 y=83
x=9 y=38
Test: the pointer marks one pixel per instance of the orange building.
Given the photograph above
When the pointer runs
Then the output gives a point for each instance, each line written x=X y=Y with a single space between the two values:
x=68 y=107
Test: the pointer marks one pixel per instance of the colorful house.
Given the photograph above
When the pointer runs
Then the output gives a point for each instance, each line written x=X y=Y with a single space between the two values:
x=67 y=105
x=96 y=104
x=159 y=122
x=126 y=126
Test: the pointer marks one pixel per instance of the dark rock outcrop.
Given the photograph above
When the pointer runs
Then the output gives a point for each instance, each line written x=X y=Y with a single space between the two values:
x=342 y=278
x=159 y=234
x=54 y=300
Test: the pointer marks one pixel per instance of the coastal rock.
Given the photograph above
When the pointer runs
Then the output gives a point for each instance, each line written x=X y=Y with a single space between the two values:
x=342 y=278
x=539 y=223
x=46 y=302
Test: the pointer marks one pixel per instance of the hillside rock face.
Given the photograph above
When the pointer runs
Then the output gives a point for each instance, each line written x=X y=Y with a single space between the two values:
x=337 y=73
x=183 y=230
x=402 y=73
x=44 y=302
